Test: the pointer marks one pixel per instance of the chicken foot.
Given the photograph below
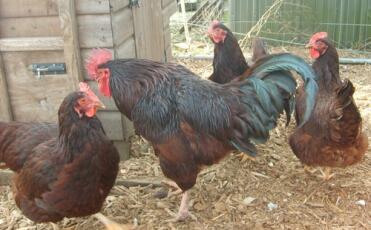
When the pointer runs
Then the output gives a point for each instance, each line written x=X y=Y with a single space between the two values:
x=244 y=157
x=309 y=169
x=109 y=224
x=326 y=173
x=183 y=212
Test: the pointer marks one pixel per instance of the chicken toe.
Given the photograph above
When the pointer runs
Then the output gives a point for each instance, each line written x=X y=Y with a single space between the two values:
x=309 y=169
x=326 y=173
x=109 y=224
x=244 y=157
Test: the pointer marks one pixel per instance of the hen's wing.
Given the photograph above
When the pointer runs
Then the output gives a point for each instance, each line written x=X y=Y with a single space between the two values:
x=17 y=141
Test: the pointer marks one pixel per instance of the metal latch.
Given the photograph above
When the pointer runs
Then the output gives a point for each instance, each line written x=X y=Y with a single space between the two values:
x=48 y=68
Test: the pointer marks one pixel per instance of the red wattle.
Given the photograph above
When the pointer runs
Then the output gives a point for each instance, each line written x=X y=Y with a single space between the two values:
x=314 y=53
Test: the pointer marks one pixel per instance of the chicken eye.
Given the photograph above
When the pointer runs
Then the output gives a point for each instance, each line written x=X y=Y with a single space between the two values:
x=83 y=101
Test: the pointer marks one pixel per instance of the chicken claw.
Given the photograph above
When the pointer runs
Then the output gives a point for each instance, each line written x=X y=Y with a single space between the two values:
x=244 y=157
x=326 y=173
x=309 y=169
x=109 y=224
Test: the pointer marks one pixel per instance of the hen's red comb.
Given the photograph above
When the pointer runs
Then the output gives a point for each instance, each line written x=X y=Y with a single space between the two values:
x=212 y=24
x=316 y=36
x=84 y=87
x=97 y=57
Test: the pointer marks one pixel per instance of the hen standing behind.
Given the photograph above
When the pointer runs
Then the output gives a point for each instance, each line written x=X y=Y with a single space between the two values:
x=61 y=171
x=229 y=61
x=333 y=135
x=193 y=122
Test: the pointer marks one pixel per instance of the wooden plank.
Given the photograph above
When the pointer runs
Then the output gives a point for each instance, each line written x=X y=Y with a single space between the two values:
x=127 y=128
x=148 y=27
x=31 y=44
x=122 y=19
x=168 y=11
x=123 y=147
x=34 y=99
x=168 y=54
x=165 y=3
x=92 y=7
x=29 y=8
x=5 y=107
x=30 y=27
x=167 y=37
x=67 y=16
x=126 y=49
x=112 y=124
x=95 y=31
x=118 y=4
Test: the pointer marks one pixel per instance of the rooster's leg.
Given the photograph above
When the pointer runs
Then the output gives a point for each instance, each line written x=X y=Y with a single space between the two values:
x=183 y=212
x=309 y=169
x=109 y=224
x=173 y=185
x=244 y=157
x=326 y=174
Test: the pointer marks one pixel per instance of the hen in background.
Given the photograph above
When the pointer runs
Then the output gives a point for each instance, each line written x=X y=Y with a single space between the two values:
x=333 y=135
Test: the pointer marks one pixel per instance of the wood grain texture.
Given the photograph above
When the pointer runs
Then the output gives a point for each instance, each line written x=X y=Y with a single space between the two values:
x=31 y=44
x=28 y=8
x=122 y=19
x=123 y=147
x=67 y=16
x=95 y=31
x=34 y=99
x=168 y=11
x=148 y=29
x=112 y=124
x=5 y=107
x=118 y=4
x=30 y=27
x=126 y=49
x=92 y=7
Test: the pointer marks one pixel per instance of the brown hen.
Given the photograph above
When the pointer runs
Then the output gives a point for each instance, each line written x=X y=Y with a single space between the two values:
x=333 y=135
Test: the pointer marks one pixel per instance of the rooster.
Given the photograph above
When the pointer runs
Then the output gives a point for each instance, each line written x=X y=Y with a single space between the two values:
x=193 y=122
x=332 y=137
x=64 y=170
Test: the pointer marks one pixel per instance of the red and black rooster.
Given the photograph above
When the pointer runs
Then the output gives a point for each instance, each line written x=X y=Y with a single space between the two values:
x=64 y=170
x=193 y=122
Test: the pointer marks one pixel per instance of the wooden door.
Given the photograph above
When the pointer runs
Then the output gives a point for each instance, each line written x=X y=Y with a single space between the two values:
x=149 y=30
x=31 y=32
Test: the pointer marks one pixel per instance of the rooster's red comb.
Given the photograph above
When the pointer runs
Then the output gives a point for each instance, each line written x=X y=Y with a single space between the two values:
x=96 y=58
x=316 y=36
